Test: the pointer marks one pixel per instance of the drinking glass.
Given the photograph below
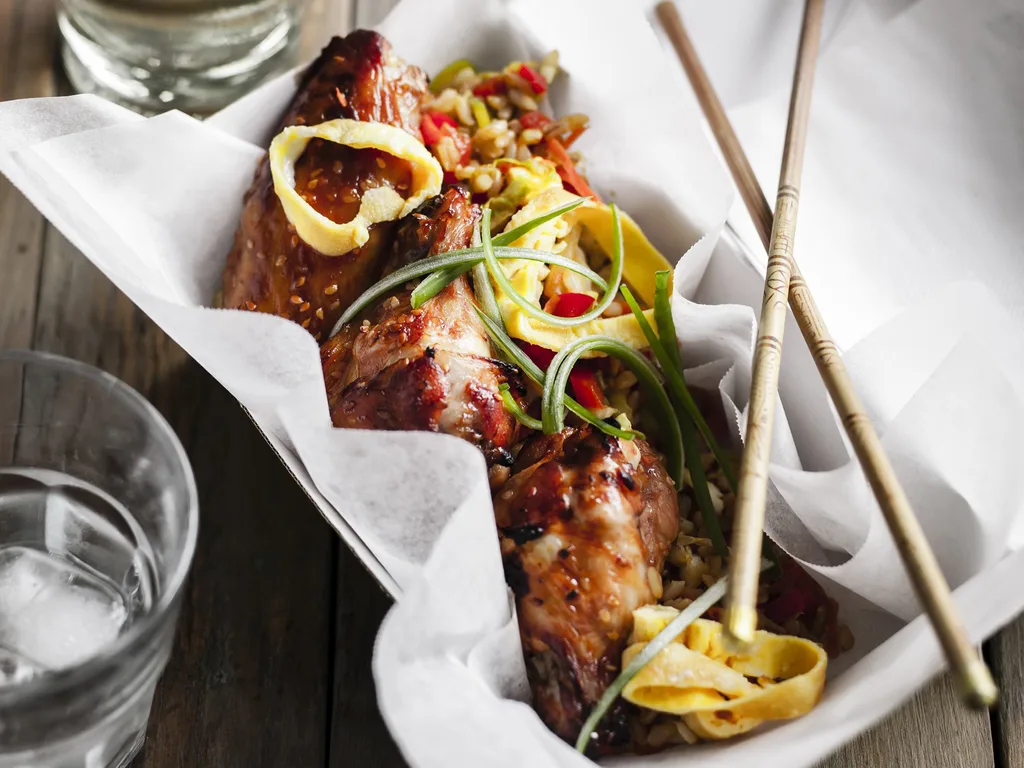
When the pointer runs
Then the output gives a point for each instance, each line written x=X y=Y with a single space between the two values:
x=192 y=55
x=98 y=522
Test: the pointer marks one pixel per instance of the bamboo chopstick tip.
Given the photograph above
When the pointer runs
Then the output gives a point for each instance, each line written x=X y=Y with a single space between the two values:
x=977 y=688
x=740 y=625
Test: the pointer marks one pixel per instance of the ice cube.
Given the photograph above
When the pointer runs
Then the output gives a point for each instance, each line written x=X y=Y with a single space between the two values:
x=53 y=613
x=15 y=669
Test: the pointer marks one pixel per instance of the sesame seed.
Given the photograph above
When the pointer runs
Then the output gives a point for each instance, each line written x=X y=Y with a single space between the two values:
x=304 y=307
x=315 y=172
x=334 y=306
x=305 y=323
x=320 y=313
x=260 y=255
x=248 y=243
x=295 y=299
x=394 y=302
x=380 y=162
x=316 y=336
x=279 y=260
x=605 y=615
x=300 y=282
x=251 y=306
x=312 y=183
x=330 y=290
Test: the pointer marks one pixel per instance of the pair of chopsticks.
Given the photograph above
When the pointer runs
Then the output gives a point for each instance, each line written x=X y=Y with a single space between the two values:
x=783 y=282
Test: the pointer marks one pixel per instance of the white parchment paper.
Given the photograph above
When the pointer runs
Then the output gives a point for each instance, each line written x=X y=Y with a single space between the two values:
x=154 y=204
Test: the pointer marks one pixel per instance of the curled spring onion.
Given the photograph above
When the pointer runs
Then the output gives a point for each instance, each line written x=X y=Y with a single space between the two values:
x=514 y=354
x=437 y=281
x=615 y=279
x=482 y=285
x=677 y=386
x=662 y=640
x=465 y=259
x=516 y=410
x=553 y=409
x=691 y=443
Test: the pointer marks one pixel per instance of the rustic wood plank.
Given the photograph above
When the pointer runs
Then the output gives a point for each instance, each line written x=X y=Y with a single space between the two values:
x=358 y=734
x=248 y=680
x=27 y=33
x=932 y=730
x=1006 y=655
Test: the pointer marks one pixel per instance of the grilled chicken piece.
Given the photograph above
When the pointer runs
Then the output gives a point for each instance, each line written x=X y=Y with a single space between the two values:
x=586 y=521
x=426 y=369
x=269 y=268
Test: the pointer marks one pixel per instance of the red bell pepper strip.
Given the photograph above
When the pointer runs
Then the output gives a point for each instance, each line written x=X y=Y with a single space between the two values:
x=534 y=119
x=571 y=179
x=534 y=78
x=434 y=125
x=569 y=304
x=583 y=378
x=541 y=356
x=492 y=87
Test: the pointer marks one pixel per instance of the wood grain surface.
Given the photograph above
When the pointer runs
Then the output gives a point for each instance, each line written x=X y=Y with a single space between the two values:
x=272 y=659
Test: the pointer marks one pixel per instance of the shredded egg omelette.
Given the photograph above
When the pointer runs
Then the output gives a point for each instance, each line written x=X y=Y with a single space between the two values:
x=719 y=693
x=561 y=236
x=380 y=204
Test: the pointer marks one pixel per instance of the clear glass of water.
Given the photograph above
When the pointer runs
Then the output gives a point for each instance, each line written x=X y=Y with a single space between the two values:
x=98 y=523
x=192 y=55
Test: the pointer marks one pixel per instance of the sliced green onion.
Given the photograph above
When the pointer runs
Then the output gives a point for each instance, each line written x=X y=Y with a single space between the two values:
x=440 y=279
x=663 y=318
x=515 y=355
x=482 y=286
x=436 y=282
x=516 y=410
x=444 y=78
x=691 y=443
x=553 y=410
x=525 y=304
x=658 y=643
x=678 y=388
x=481 y=283
x=465 y=259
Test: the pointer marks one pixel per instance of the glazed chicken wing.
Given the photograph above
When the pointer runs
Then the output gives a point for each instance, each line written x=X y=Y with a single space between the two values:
x=427 y=369
x=586 y=521
x=269 y=268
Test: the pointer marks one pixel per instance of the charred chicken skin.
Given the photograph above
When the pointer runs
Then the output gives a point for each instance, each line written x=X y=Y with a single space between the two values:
x=586 y=521
x=270 y=269
x=426 y=369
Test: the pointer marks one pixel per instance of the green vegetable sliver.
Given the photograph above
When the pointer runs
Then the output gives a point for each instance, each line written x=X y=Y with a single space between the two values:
x=516 y=410
x=444 y=78
x=658 y=643
x=527 y=306
x=553 y=411
x=677 y=386
x=461 y=260
x=691 y=443
x=511 y=351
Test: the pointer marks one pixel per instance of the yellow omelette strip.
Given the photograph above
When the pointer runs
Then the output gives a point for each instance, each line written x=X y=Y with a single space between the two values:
x=697 y=678
x=381 y=204
x=641 y=261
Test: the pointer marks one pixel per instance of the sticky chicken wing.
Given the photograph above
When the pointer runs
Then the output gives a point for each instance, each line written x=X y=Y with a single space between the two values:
x=586 y=521
x=270 y=269
x=430 y=368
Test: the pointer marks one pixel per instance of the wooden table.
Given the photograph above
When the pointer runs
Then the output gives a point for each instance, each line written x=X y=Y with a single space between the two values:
x=272 y=659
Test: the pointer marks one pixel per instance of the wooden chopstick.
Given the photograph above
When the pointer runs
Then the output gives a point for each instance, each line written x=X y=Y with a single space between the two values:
x=975 y=682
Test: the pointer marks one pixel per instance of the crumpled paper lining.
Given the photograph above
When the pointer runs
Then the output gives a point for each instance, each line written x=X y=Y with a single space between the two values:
x=154 y=203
